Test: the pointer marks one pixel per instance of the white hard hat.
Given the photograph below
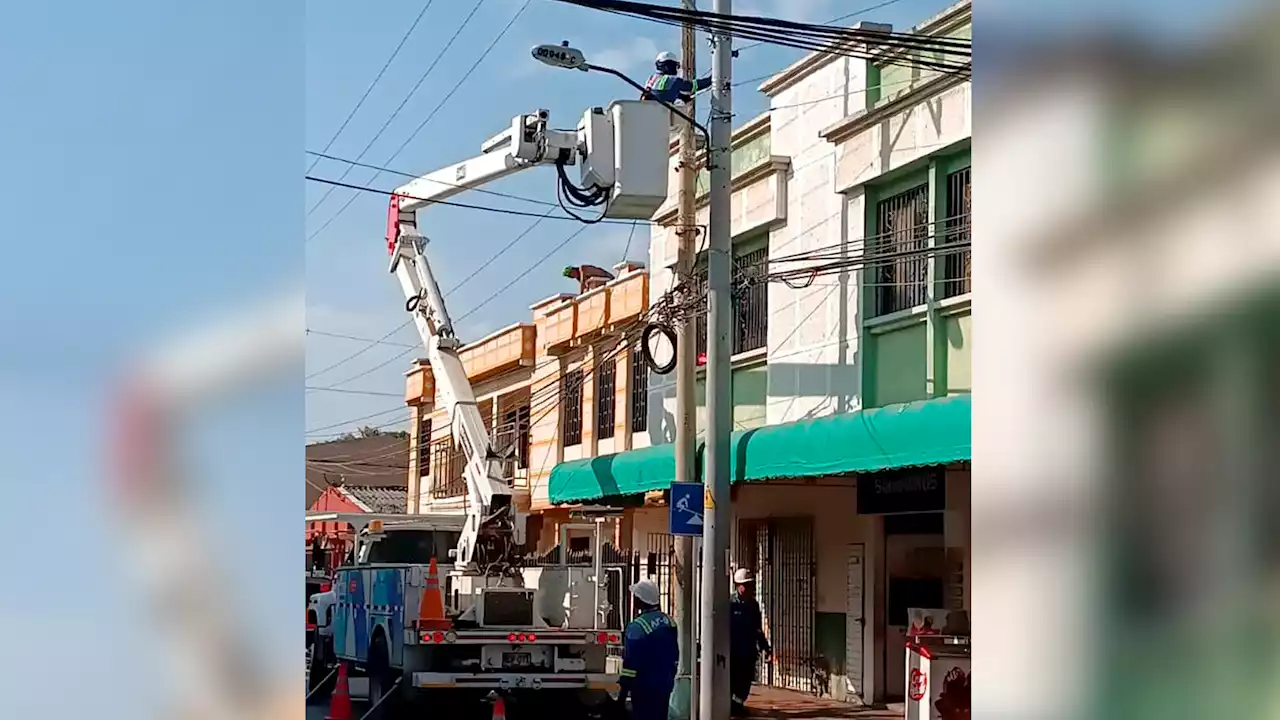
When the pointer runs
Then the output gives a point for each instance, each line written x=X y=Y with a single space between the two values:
x=646 y=592
x=665 y=57
x=742 y=576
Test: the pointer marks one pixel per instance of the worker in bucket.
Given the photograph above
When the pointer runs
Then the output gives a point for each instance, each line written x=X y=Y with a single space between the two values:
x=650 y=652
x=746 y=641
x=666 y=86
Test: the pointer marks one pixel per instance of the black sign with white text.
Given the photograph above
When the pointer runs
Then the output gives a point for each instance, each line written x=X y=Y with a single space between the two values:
x=911 y=490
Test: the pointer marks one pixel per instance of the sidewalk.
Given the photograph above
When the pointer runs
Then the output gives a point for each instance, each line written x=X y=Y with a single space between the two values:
x=766 y=702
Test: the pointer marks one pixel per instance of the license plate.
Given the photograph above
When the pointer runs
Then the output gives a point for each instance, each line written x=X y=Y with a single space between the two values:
x=516 y=659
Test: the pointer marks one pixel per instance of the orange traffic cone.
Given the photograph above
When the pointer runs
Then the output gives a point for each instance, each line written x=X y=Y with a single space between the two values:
x=499 y=709
x=431 y=607
x=340 y=701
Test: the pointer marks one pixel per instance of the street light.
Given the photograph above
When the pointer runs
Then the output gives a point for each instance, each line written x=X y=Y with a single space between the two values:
x=570 y=58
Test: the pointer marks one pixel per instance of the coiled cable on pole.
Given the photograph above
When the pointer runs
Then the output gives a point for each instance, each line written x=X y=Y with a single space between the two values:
x=647 y=348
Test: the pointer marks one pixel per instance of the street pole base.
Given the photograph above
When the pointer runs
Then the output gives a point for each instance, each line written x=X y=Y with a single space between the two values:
x=681 y=699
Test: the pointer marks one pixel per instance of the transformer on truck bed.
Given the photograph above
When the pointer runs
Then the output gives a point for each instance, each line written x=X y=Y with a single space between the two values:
x=508 y=625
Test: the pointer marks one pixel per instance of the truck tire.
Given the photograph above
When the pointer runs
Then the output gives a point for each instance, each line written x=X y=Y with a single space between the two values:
x=318 y=674
x=382 y=678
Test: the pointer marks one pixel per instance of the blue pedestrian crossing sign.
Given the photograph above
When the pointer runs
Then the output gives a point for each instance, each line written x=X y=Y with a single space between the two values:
x=686 y=509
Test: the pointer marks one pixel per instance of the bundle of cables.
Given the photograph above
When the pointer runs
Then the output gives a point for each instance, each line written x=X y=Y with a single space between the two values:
x=946 y=55
x=568 y=192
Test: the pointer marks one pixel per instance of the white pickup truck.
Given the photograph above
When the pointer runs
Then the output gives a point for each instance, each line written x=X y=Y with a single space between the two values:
x=320 y=602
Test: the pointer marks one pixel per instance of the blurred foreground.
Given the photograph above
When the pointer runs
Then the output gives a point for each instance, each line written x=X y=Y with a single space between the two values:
x=1126 y=554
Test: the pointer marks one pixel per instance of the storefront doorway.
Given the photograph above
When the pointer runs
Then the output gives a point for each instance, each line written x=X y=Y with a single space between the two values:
x=913 y=566
x=915 y=577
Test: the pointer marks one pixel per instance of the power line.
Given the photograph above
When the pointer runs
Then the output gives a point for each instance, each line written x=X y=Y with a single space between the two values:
x=415 y=176
x=335 y=386
x=382 y=426
x=370 y=416
x=804 y=36
x=313 y=388
x=523 y=274
x=630 y=234
x=341 y=336
x=391 y=449
x=832 y=21
x=448 y=292
x=451 y=203
x=363 y=350
x=499 y=254
x=395 y=113
x=433 y=112
x=459 y=84
x=373 y=84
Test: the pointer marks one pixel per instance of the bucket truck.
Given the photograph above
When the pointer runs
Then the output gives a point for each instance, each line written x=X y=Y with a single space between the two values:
x=509 y=626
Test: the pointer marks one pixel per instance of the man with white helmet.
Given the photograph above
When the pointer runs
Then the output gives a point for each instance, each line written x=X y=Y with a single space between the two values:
x=665 y=85
x=650 y=652
x=746 y=640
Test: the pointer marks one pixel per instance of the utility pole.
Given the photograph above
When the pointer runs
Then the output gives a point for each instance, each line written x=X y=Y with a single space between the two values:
x=713 y=686
x=682 y=703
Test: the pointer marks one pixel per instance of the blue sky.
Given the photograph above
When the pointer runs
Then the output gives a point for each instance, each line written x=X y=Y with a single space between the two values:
x=348 y=288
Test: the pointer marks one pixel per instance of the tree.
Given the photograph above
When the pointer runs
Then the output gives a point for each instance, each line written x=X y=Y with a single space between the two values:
x=368 y=431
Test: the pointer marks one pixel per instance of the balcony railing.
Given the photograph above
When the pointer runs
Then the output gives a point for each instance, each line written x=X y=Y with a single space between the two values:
x=448 y=462
x=513 y=434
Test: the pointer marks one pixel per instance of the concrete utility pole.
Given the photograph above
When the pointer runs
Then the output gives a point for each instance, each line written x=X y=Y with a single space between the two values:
x=682 y=705
x=713 y=686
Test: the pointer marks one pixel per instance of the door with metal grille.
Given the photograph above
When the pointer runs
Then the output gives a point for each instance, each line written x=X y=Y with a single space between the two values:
x=780 y=553
x=659 y=568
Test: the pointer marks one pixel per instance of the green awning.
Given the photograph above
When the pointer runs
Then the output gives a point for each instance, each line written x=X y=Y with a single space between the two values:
x=925 y=432
x=625 y=473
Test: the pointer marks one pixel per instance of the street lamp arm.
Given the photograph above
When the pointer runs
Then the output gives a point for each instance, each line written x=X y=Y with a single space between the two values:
x=644 y=92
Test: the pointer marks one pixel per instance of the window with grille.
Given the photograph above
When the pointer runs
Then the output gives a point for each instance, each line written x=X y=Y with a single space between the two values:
x=424 y=446
x=956 y=262
x=639 y=391
x=605 y=384
x=896 y=256
x=515 y=431
x=750 y=303
x=571 y=408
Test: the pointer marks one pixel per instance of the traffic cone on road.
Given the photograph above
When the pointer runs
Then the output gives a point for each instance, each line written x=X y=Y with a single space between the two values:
x=499 y=709
x=431 y=607
x=340 y=701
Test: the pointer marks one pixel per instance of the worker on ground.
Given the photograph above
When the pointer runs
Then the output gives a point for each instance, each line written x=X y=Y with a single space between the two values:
x=667 y=86
x=650 y=652
x=746 y=641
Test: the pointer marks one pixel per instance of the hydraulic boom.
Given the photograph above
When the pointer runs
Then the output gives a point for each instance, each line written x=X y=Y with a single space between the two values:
x=494 y=527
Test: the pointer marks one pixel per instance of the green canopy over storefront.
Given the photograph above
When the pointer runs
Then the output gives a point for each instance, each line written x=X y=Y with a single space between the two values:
x=925 y=432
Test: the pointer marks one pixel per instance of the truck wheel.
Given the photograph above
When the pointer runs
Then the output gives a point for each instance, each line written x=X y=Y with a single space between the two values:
x=318 y=674
x=382 y=682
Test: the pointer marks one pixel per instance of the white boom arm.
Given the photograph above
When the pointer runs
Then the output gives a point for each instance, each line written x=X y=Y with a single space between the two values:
x=492 y=525
x=527 y=143
x=622 y=151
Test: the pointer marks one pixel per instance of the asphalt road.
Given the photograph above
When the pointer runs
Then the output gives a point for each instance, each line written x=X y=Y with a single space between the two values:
x=321 y=711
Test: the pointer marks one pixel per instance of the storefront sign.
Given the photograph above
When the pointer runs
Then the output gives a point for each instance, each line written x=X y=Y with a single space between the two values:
x=902 y=491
